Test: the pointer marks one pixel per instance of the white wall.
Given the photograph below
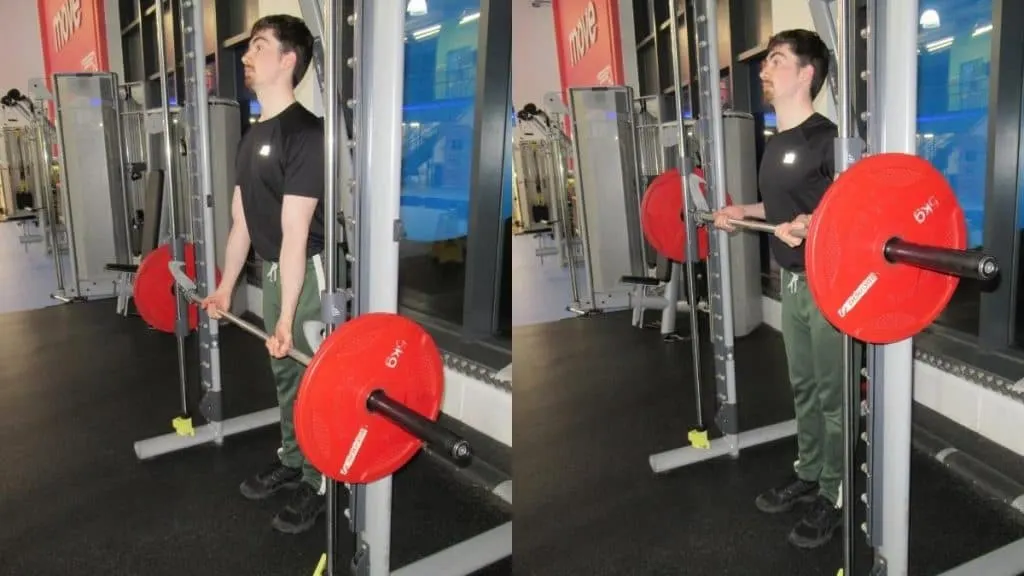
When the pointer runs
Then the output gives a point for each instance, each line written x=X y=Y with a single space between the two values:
x=534 y=56
x=22 y=47
x=987 y=413
x=23 y=37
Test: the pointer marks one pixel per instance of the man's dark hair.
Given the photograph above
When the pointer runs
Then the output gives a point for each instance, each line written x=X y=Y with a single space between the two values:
x=809 y=49
x=294 y=36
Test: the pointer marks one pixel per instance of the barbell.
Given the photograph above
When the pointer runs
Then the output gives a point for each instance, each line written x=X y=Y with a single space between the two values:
x=884 y=251
x=370 y=396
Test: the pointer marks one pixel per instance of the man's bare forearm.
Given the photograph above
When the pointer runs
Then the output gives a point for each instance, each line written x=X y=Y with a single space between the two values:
x=754 y=211
x=292 y=266
x=237 y=249
x=235 y=254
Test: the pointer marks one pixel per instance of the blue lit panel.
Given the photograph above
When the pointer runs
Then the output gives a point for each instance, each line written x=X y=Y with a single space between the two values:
x=952 y=99
x=438 y=117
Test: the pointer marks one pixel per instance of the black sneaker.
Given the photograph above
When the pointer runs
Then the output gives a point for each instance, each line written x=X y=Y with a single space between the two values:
x=817 y=525
x=301 y=513
x=783 y=498
x=271 y=480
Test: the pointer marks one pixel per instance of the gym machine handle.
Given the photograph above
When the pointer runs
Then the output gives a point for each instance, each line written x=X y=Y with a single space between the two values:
x=455 y=448
x=431 y=432
x=962 y=263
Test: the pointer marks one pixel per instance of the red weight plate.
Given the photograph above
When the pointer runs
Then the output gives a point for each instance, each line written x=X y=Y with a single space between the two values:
x=882 y=197
x=333 y=426
x=661 y=214
x=153 y=291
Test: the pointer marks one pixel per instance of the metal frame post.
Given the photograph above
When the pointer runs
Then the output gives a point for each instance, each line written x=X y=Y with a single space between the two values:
x=892 y=94
x=378 y=94
x=712 y=139
x=705 y=30
x=197 y=114
x=177 y=242
x=685 y=169
x=327 y=62
x=328 y=25
x=848 y=149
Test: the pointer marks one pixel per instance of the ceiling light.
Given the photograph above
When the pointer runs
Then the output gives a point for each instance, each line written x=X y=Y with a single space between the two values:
x=416 y=7
x=929 y=19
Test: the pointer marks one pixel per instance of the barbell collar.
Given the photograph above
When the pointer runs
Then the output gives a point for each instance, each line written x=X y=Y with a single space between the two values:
x=427 y=430
x=962 y=263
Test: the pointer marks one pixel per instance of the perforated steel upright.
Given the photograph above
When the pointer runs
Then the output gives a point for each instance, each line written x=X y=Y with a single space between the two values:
x=197 y=122
x=712 y=140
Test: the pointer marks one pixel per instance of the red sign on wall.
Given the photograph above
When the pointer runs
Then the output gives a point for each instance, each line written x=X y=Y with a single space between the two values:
x=74 y=34
x=589 y=42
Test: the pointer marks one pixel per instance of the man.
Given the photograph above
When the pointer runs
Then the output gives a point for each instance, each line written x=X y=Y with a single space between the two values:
x=797 y=168
x=277 y=210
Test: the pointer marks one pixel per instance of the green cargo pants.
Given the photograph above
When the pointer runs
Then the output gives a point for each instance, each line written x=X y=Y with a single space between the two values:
x=814 y=353
x=288 y=372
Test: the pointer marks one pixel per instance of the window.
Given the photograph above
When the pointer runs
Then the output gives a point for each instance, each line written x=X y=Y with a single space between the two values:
x=954 y=47
x=437 y=156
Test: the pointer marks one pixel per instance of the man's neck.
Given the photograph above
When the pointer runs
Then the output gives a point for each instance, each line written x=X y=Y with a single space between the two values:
x=273 y=101
x=792 y=114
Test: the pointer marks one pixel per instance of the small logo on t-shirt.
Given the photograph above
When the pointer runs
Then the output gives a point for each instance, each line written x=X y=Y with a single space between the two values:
x=789 y=158
x=265 y=150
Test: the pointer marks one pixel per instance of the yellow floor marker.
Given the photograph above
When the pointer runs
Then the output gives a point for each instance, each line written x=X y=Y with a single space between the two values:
x=321 y=566
x=699 y=439
x=183 y=426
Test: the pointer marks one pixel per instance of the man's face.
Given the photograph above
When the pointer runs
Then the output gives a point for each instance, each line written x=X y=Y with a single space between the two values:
x=782 y=77
x=263 y=63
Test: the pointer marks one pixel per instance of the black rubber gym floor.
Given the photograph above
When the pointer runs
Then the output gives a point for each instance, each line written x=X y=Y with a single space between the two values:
x=80 y=384
x=595 y=397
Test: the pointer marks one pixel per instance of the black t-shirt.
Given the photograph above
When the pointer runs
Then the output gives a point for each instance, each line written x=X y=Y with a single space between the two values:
x=797 y=168
x=279 y=156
